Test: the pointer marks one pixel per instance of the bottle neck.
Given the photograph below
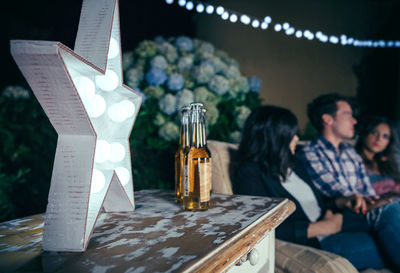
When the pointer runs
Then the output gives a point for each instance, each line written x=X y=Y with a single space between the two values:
x=198 y=133
x=184 y=139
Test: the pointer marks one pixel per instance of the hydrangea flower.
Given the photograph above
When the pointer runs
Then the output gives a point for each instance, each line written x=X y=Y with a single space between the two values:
x=206 y=47
x=156 y=76
x=231 y=72
x=202 y=94
x=175 y=82
x=16 y=92
x=169 y=51
x=203 y=73
x=235 y=137
x=169 y=131
x=184 y=98
x=241 y=114
x=159 y=120
x=127 y=60
x=254 y=84
x=159 y=61
x=185 y=63
x=154 y=91
x=159 y=39
x=219 y=84
x=146 y=49
x=133 y=77
x=212 y=113
x=184 y=43
x=168 y=104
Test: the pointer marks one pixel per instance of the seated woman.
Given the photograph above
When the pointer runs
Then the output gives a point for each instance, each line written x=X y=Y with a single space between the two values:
x=267 y=168
x=375 y=145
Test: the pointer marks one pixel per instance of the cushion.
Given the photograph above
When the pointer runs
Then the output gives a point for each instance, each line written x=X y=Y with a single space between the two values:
x=294 y=258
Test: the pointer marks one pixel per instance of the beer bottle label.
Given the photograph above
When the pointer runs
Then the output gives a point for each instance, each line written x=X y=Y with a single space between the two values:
x=205 y=180
x=185 y=180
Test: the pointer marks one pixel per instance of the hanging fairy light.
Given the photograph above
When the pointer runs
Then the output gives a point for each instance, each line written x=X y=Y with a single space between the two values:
x=287 y=28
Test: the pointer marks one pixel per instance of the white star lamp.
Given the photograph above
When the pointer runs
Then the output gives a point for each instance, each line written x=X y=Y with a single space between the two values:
x=93 y=112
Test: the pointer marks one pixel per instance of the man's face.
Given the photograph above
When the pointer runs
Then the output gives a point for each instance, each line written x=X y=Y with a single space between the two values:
x=343 y=121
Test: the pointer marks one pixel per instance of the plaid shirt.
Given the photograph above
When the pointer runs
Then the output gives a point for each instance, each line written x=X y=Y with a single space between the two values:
x=335 y=172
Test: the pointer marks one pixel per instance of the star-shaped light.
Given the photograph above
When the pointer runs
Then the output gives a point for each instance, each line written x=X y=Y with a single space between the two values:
x=93 y=112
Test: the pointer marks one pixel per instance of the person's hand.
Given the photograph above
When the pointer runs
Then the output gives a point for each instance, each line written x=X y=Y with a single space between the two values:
x=380 y=202
x=356 y=202
x=334 y=220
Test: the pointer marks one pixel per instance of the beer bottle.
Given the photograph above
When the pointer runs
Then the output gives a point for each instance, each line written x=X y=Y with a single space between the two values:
x=197 y=186
x=184 y=143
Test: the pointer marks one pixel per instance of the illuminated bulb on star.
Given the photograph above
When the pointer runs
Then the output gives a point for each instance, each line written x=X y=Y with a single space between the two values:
x=210 y=9
x=123 y=175
x=225 y=15
x=86 y=88
x=117 y=152
x=255 y=23
x=289 y=31
x=200 y=8
x=103 y=152
x=233 y=18
x=182 y=3
x=119 y=112
x=245 y=19
x=220 y=10
x=96 y=107
x=113 y=51
x=189 y=5
x=278 y=27
x=107 y=82
x=98 y=181
x=299 y=34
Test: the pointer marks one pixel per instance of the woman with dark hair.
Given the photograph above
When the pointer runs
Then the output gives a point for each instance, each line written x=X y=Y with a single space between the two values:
x=375 y=145
x=268 y=167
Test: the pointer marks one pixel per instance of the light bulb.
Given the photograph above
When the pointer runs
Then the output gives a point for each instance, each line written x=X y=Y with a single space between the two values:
x=225 y=15
x=181 y=3
x=86 y=88
x=123 y=175
x=255 y=23
x=267 y=19
x=233 y=18
x=189 y=5
x=220 y=10
x=289 y=31
x=200 y=8
x=169 y=2
x=285 y=26
x=264 y=25
x=96 y=107
x=107 y=82
x=333 y=39
x=117 y=152
x=299 y=34
x=128 y=108
x=245 y=19
x=115 y=114
x=210 y=9
x=102 y=151
x=278 y=27
x=98 y=181
x=114 y=49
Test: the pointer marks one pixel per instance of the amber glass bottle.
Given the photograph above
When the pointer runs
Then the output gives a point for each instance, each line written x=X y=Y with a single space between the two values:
x=196 y=189
x=184 y=145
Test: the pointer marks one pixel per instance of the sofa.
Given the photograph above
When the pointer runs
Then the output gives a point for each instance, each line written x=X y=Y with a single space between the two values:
x=289 y=257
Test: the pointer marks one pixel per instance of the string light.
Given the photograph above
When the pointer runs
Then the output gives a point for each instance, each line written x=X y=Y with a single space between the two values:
x=289 y=30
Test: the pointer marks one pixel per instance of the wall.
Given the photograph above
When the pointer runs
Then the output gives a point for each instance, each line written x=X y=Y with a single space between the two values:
x=294 y=71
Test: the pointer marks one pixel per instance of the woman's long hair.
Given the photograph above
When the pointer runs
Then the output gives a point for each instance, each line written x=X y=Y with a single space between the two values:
x=266 y=136
x=385 y=159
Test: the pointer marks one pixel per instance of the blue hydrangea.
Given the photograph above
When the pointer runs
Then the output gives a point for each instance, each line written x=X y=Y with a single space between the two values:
x=156 y=76
x=207 y=47
x=184 y=98
x=184 y=43
x=167 y=104
x=254 y=84
x=231 y=72
x=175 y=82
x=159 y=39
x=219 y=84
x=133 y=77
x=159 y=61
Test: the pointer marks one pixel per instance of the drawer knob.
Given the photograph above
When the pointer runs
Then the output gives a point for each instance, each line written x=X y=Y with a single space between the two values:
x=254 y=256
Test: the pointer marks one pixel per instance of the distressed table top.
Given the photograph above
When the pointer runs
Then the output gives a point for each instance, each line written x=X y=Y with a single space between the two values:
x=157 y=237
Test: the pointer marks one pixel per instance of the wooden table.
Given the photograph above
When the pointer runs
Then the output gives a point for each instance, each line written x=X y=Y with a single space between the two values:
x=158 y=237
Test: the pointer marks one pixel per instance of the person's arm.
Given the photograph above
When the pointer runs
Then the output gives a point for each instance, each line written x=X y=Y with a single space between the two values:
x=331 y=224
x=325 y=181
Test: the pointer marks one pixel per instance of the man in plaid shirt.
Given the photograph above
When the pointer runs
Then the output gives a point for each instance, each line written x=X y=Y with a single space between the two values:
x=334 y=166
